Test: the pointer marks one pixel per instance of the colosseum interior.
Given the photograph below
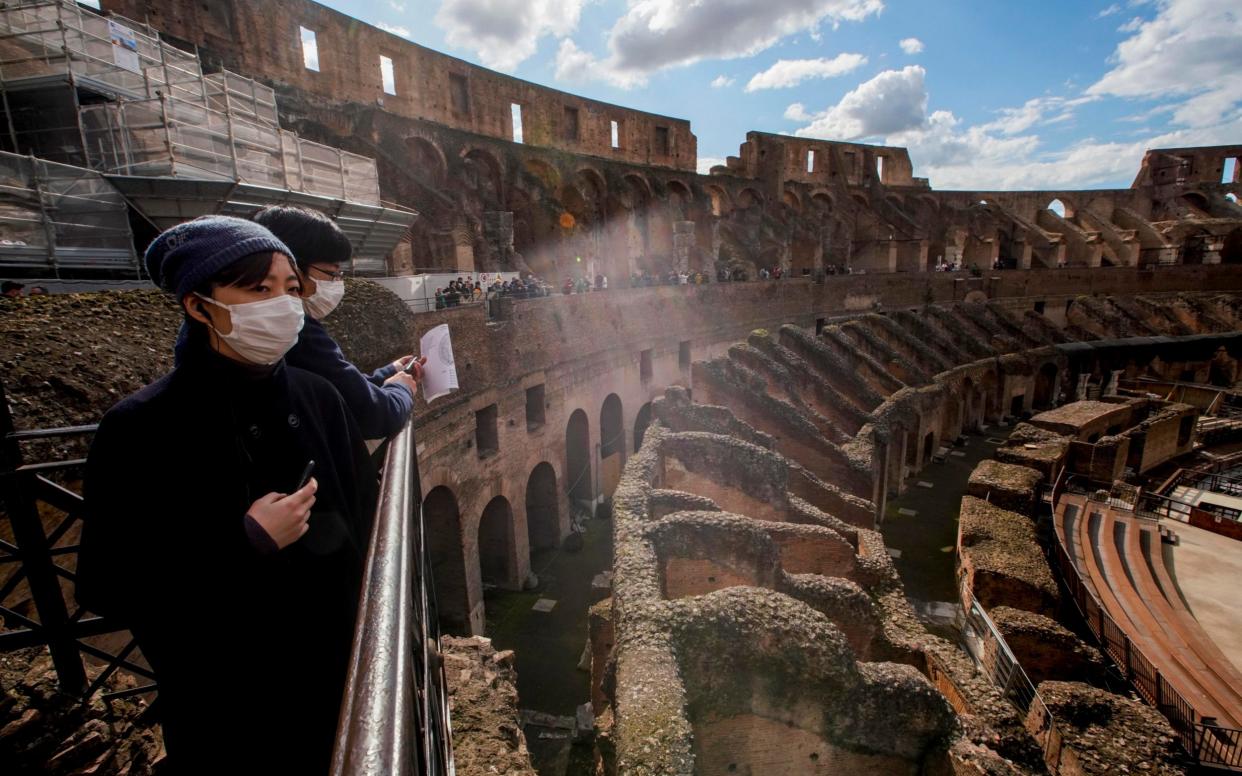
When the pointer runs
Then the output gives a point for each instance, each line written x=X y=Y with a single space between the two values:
x=867 y=516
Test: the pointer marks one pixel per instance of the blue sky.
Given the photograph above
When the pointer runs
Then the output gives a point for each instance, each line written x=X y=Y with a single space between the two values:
x=1005 y=95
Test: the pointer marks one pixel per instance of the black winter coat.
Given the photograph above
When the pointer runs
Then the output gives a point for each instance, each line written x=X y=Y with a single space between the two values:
x=250 y=650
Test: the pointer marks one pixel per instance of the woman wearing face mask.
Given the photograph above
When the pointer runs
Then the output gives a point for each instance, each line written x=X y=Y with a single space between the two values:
x=382 y=401
x=239 y=582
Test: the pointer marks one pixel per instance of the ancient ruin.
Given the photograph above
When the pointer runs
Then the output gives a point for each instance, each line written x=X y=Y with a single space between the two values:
x=866 y=516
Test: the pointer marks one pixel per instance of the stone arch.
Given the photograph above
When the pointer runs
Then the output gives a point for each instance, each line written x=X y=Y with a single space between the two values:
x=611 y=427
x=823 y=200
x=791 y=198
x=1061 y=207
x=448 y=560
x=930 y=202
x=611 y=444
x=1197 y=201
x=498 y=546
x=1045 y=385
x=591 y=181
x=951 y=417
x=1232 y=197
x=547 y=175
x=427 y=159
x=485 y=173
x=641 y=422
x=543 y=508
x=721 y=204
x=639 y=183
x=991 y=401
x=578 y=459
x=679 y=199
x=749 y=197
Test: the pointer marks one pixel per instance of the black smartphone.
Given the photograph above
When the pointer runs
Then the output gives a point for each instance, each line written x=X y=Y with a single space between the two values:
x=306 y=474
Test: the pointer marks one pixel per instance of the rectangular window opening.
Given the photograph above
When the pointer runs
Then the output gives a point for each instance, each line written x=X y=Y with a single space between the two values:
x=387 y=75
x=819 y=326
x=879 y=167
x=683 y=354
x=1039 y=307
x=1229 y=170
x=810 y=161
x=486 y=435
x=571 y=123
x=515 y=112
x=310 y=49
x=459 y=93
x=644 y=365
x=661 y=141
x=535 y=416
x=616 y=134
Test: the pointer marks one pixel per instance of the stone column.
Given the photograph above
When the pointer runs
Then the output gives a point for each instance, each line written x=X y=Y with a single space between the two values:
x=683 y=242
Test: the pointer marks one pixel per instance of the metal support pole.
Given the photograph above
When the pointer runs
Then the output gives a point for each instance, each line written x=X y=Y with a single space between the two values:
x=36 y=559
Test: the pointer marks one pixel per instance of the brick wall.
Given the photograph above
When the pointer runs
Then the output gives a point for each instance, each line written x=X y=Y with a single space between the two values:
x=262 y=40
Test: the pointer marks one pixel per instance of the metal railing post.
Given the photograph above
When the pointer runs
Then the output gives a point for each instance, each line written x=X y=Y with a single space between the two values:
x=32 y=544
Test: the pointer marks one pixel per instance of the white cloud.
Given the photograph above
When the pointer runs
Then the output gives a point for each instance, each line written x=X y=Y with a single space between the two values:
x=1036 y=111
x=395 y=29
x=721 y=81
x=1109 y=11
x=706 y=163
x=911 y=46
x=797 y=112
x=656 y=34
x=1191 y=50
x=893 y=101
x=399 y=7
x=790 y=72
x=504 y=33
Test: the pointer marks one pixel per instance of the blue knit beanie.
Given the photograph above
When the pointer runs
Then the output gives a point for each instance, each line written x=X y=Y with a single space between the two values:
x=184 y=257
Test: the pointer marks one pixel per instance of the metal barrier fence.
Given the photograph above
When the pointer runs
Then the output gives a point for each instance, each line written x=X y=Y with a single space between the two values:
x=394 y=716
x=987 y=646
x=39 y=559
x=1208 y=744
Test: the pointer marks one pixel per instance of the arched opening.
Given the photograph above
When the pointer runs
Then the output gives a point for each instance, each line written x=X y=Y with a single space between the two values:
x=968 y=404
x=640 y=425
x=1058 y=207
x=497 y=552
x=1232 y=197
x=485 y=176
x=543 y=508
x=790 y=198
x=448 y=564
x=929 y=446
x=1231 y=251
x=1045 y=385
x=611 y=444
x=1194 y=246
x=426 y=160
x=720 y=200
x=578 y=459
x=748 y=198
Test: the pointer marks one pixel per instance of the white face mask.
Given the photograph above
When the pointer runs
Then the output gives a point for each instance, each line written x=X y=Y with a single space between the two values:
x=328 y=294
x=263 y=331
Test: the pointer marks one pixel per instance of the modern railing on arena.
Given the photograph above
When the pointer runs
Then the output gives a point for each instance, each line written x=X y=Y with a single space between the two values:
x=394 y=716
x=1207 y=743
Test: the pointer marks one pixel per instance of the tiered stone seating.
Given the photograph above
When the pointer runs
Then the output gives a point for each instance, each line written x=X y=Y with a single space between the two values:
x=1119 y=557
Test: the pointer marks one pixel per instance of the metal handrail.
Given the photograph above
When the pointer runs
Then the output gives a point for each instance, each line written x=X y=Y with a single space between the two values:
x=394 y=713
